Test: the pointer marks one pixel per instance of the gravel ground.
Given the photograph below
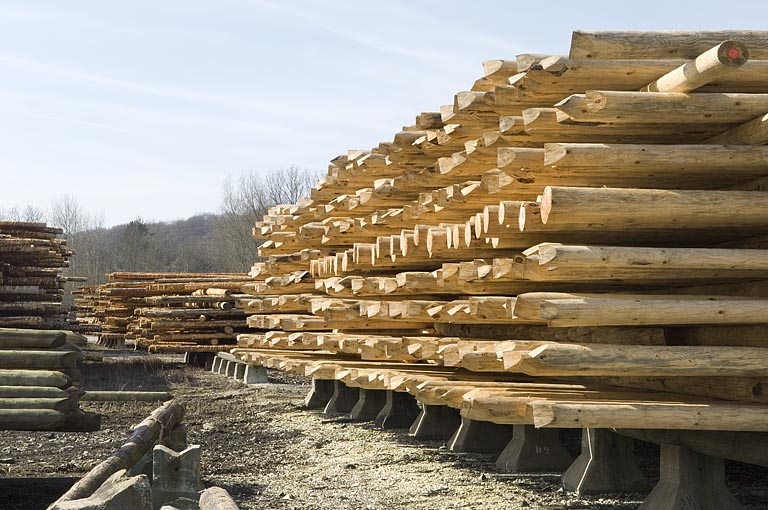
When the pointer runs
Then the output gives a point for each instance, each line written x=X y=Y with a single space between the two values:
x=259 y=444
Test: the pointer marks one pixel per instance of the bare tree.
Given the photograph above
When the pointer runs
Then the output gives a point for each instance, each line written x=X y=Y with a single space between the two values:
x=245 y=201
x=26 y=213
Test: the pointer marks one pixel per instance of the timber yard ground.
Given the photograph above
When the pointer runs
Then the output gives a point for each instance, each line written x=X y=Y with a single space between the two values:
x=269 y=453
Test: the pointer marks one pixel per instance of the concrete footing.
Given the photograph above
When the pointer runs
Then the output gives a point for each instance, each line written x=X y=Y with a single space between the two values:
x=254 y=374
x=343 y=399
x=216 y=364
x=533 y=450
x=118 y=492
x=399 y=412
x=175 y=474
x=606 y=464
x=229 y=371
x=690 y=481
x=436 y=422
x=369 y=404
x=239 y=371
x=480 y=437
x=319 y=395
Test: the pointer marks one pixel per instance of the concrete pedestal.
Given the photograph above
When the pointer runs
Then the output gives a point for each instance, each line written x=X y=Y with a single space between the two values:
x=480 y=437
x=690 y=481
x=175 y=474
x=254 y=374
x=369 y=404
x=229 y=370
x=343 y=399
x=320 y=394
x=606 y=464
x=216 y=364
x=239 y=371
x=436 y=422
x=399 y=412
x=533 y=450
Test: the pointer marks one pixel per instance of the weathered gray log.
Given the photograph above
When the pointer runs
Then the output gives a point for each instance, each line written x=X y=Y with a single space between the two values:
x=144 y=436
x=31 y=338
x=57 y=404
x=126 y=396
x=54 y=379
x=31 y=419
x=34 y=392
x=216 y=498
x=39 y=359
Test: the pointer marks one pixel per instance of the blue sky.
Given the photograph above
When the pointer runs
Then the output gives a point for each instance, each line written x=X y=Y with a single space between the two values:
x=142 y=108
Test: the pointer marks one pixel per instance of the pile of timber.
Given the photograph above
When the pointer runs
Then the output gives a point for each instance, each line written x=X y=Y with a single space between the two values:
x=86 y=300
x=578 y=241
x=40 y=381
x=32 y=256
x=167 y=312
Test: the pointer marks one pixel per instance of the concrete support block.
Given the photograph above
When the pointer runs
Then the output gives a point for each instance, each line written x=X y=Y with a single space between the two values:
x=119 y=492
x=436 y=422
x=175 y=475
x=369 y=404
x=690 y=481
x=229 y=371
x=216 y=364
x=343 y=399
x=400 y=411
x=533 y=450
x=320 y=394
x=606 y=464
x=254 y=374
x=480 y=437
x=239 y=371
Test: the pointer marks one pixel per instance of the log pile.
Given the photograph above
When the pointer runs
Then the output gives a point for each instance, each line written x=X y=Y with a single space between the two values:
x=32 y=256
x=578 y=241
x=40 y=382
x=169 y=312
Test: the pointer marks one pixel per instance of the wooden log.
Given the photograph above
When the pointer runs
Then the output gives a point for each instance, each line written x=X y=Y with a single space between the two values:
x=652 y=311
x=28 y=338
x=216 y=498
x=705 y=416
x=599 y=208
x=714 y=161
x=753 y=132
x=39 y=359
x=11 y=392
x=747 y=447
x=61 y=405
x=31 y=419
x=709 y=66
x=660 y=45
x=560 y=359
x=44 y=378
x=126 y=396
x=636 y=108
x=144 y=436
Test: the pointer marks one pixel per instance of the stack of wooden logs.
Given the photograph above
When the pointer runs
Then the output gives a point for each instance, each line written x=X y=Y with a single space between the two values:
x=169 y=312
x=31 y=285
x=40 y=381
x=576 y=242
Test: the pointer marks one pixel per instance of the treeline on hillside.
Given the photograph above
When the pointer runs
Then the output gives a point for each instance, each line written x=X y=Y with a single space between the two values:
x=208 y=242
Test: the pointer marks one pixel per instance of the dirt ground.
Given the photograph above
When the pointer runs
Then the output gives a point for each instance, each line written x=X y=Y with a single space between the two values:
x=269 y=453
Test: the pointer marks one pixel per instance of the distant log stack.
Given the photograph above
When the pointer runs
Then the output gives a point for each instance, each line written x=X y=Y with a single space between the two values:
x=32 y=256
x=40 y=382
x=178 y=312
x=569 y=217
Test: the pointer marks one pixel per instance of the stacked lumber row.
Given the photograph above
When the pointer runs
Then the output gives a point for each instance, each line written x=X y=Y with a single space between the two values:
x=40 y=381
x=85 y=303
x=31 y=284
x=177 y=310
x=597 y=218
